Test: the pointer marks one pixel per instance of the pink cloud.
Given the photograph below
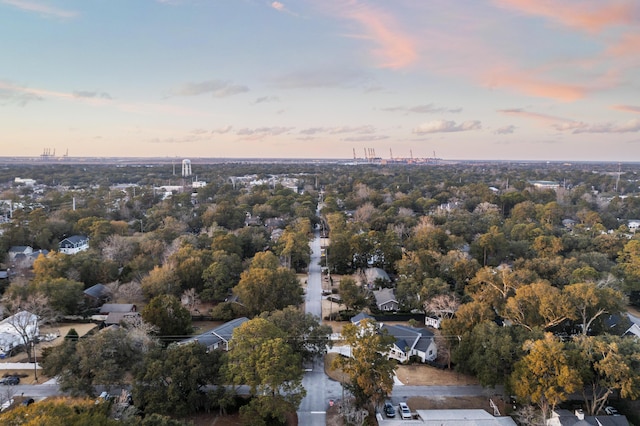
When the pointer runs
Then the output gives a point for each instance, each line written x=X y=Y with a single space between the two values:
x=628 y=44
x=530 y=84
x=544 y=118
x=627 y=108
x=395 y=49
x=586 y=15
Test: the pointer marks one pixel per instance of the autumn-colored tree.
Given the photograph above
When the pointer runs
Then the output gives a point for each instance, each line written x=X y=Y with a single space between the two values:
x=629 y=264
x=545 y=376
x=608 y=364
x=538 y=305
x=266 y=287
x=589 y=302
x=59 y=412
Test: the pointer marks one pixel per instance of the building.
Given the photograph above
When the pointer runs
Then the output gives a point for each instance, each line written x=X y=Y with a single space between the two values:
x=15 y=329
x=545 y=184
x=74 y=244
x=386 y=299
x=217 y=338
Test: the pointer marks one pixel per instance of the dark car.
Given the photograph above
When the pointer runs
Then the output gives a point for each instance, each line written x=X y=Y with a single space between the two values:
x=11 y=380
x=389 y=409
x=28 y=401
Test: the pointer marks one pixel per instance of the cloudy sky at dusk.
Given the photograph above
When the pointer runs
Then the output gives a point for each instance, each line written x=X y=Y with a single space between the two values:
x=466 y=79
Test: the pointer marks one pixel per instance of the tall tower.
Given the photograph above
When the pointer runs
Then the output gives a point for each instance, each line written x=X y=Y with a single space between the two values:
x=186 y=168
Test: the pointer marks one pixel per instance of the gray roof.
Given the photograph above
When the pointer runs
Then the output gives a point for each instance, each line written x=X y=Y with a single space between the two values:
x=385 y=295
x=97 y=291
x=107 y=308
x=19 y=249
x=567 y=418
x=360 y=317
x=73 y=241
x=410 y=337
x=222 y=333
x=116 y=317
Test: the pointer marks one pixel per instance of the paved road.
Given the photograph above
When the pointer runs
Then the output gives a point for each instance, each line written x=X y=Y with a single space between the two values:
x=320 y=389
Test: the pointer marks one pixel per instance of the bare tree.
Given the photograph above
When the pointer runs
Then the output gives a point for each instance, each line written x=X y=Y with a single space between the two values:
x=443 y=305
x=190 y=299
x=126 y=292
x=141 y=332
x=26 y=315
x=118 y=248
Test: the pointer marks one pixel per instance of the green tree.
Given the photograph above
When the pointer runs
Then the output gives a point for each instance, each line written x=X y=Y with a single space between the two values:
x=221 y=275
x=65 y=296
x=104 y=358
x=545 y=376
x=167 y=313
x=304 y=332
x=489 y=352
x=369 y=370
x=260 y=357
x=352 y=294
x=173 y=380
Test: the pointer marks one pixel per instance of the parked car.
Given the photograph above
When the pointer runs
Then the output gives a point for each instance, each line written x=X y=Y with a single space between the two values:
x=10 y=380
x=405 y=413
x=389 y=410
x=28 y=401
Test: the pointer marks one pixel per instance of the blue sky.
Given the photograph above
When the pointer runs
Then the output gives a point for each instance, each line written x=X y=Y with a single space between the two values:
x=466 y=79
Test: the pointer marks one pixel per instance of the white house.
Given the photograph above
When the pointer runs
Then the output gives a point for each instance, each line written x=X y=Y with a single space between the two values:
x=15 y=329
x=74 y=244
x=410 y=342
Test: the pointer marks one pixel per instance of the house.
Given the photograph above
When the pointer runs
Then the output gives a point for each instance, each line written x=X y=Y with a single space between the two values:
x=386 y=299
x=217 y=338
x=361 y=316
x=19 y=252
x=97 y=294
x=108 y=308
x=14 y=329
x=578 y=418
x=74 y=244
x=114 y=318
x=410 y=342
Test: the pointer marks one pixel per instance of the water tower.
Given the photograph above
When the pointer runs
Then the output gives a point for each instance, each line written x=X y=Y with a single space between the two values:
x=186 y=168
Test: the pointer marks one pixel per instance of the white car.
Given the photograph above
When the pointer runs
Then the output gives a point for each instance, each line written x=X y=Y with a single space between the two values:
x=405 y=413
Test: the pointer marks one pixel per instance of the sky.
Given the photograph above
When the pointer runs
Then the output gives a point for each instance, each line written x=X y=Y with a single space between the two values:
x=549 y=80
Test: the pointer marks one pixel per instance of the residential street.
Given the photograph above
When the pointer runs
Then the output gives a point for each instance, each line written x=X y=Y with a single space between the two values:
x=320 y=389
